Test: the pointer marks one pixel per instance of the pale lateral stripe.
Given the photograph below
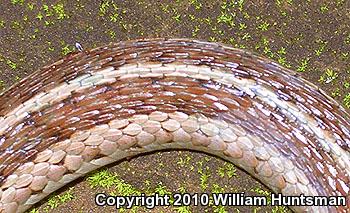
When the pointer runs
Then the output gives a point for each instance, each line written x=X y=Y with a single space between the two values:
x=226 y=132
x=203 y=72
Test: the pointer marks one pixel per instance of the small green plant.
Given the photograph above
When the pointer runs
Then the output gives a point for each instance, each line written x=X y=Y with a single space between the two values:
x=207 y=20
x=11 y=64
x=161 y=189
x=177 y=17
x=346 y=100
x=39 y=16
x=192 y=17
x=165 y=8
x=324 y=8
x=114 y=17
x=204 y=179
x=184 y=162
x=265 y=193
x=284 y=13
x=17 y=2
x=59 y=11
x=34 y=210
x=197 y=5
x=240 y=5
x=66 y=196
x=246 y=36
x=53 y=202
x=47 y=11
x=281 y=57
x=344 y=56
x=183 y=209
x=321 y=48
x=204 y=175
x=195 y=31
x=227 y=18
x=242 y=26
x=102 y=178
x=112 y=34
x=328 y=76
x=335 y=92
x=267 y=51
x=66 y=50
x=340 y=2
x=2 y=85
x=30 y=6
x=280 y=2
x=212 y=39
x=221 y=172
x=16 y=25
x=125 y=189
x=123 y=25
x=303 y=65
x=264 y=26
x=347 y=39
x=230 y=170
x=103 y=7
x=216 y=189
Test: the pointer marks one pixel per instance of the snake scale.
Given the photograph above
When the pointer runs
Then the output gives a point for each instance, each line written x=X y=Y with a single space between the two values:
x=98 y=106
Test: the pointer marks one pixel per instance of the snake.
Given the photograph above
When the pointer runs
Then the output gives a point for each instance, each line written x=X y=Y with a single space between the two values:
x=95 y=107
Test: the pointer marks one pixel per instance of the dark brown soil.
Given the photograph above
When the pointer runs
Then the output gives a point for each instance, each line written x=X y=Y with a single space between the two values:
x=312 y=37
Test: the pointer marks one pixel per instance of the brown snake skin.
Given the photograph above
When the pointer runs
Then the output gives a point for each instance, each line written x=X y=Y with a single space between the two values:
x=95 y=107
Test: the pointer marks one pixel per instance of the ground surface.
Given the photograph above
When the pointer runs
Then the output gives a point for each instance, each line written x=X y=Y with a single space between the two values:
x=310 y=36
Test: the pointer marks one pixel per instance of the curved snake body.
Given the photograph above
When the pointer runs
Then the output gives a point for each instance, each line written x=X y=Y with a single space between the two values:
x=95 y=107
